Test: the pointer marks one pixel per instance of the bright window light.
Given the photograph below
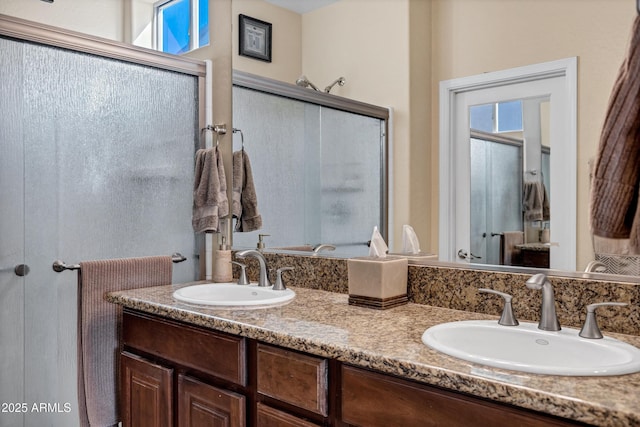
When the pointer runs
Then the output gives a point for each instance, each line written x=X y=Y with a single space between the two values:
x=181 y=25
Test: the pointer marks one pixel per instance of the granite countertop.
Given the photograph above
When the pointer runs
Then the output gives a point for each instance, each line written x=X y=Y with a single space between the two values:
x=324 y=324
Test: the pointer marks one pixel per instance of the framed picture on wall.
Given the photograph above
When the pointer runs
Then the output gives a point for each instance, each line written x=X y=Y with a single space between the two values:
x=255 y=38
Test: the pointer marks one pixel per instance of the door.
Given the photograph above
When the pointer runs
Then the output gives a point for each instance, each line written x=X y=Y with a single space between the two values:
x=96 y=161
x=496 y=196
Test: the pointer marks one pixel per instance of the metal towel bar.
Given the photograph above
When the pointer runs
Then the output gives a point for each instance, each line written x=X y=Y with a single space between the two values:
x=59 y=266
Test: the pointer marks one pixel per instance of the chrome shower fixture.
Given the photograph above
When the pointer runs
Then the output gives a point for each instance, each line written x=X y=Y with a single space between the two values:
x=340 y=81
x=303 y=81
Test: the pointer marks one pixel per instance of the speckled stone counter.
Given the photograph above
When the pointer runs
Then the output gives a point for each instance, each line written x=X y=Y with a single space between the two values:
x=322 y=323
x=456 y=287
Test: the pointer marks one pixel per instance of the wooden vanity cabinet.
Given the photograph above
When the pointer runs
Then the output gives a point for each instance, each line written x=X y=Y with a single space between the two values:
x=162 y=367
x=175 y=374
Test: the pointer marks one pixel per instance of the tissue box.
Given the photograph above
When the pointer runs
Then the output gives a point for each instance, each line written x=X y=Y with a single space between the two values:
x=379 y=283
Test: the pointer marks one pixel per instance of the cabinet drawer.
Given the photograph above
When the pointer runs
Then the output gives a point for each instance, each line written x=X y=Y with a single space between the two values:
x=214 y=353
x=377 y=400
x=293 y=378
x=270 y=417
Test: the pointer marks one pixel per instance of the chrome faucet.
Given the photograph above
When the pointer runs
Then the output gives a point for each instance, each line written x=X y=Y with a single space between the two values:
x=264 y=276
x=595 y=267
x=323 y=247
x=548 y=316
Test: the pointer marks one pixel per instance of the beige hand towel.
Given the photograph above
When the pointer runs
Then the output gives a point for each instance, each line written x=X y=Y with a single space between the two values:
x=614 y=210
x=210 y=203
x=99 y=324
x=244 y=206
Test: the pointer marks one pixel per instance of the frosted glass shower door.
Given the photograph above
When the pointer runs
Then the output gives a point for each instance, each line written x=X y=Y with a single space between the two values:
x=496 y=196
x=11 y=235
x=351 y=179
x=96 y=162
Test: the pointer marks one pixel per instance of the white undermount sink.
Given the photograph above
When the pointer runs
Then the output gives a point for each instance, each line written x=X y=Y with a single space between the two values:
x=233 y=295
x=528 y=349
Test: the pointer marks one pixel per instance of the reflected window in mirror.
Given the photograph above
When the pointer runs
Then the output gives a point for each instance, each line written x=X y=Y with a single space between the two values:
x=181 y=25
x=497 y=117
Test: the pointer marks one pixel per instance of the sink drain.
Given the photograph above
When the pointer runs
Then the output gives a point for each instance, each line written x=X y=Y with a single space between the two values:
x=542 y=342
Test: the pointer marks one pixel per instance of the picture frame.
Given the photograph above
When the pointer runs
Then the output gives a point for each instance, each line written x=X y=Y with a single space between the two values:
x=255 y=38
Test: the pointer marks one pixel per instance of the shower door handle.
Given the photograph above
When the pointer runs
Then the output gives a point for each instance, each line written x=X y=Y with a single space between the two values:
x=19 y=270
x=464 y=255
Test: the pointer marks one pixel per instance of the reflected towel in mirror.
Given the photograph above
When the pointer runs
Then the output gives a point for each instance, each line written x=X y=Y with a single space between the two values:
x=244 y=204
x=535 y=202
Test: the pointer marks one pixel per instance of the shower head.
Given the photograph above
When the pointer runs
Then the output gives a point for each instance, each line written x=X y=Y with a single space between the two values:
x=340 y=81
x=303 y=81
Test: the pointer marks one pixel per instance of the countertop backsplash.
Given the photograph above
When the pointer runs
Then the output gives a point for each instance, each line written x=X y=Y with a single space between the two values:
x=456 y=288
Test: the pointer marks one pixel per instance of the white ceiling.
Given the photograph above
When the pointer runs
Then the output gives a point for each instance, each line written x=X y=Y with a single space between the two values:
x=301 y=6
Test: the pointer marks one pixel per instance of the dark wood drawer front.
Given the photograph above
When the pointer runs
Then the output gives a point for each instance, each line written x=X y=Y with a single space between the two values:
x=270 y=417
x=293 y=378
x=210 y=352
x=371 y=399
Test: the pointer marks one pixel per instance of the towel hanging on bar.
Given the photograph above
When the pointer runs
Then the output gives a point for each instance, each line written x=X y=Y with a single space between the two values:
x=210 y=203
x=99 y=340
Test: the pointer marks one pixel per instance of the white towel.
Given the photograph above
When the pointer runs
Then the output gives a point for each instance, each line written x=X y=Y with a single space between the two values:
x=210 y=203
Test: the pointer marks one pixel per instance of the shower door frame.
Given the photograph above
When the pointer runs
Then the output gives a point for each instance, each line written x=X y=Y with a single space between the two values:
x=274 y=87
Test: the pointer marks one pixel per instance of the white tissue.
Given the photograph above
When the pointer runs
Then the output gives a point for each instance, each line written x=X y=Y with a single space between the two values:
x=410 y=243
x=378 y=247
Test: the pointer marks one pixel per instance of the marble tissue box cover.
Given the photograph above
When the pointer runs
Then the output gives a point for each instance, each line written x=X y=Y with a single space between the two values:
x=377 y=282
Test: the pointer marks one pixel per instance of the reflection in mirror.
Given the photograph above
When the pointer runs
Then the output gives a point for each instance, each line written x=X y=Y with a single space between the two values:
x=319 y=171
x=509 y=183
x=470 y=224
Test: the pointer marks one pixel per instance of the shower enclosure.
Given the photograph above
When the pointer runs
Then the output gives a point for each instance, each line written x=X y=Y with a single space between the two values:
x=319 y=164
x=96 y=161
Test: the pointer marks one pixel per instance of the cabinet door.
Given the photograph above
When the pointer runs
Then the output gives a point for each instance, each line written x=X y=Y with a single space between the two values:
x=200 y=404
x=146 y=391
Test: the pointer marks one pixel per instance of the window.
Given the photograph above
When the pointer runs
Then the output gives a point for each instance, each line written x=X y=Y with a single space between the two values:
x=181 y=25
x=499 y=117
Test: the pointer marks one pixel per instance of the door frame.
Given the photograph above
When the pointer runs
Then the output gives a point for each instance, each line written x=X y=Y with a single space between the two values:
x=563 y=164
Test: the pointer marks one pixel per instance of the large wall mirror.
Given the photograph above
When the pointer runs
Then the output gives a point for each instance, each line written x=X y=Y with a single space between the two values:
x=466 y=39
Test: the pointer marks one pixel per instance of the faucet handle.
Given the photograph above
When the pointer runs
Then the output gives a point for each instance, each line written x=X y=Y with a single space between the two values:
x=242 y=280
x=590 y=328
x=507 y=318
x=279 y=285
